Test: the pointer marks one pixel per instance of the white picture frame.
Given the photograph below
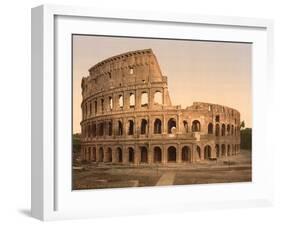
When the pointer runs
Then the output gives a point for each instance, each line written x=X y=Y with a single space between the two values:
x=52 y=197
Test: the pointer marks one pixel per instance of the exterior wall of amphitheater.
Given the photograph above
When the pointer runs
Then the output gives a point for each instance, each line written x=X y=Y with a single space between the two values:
x=128 y=117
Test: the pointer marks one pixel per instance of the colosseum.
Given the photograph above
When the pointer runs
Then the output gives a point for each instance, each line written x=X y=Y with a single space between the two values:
x=128 y=117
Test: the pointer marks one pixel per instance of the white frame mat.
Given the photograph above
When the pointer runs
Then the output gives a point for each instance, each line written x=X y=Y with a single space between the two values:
x=52 y=197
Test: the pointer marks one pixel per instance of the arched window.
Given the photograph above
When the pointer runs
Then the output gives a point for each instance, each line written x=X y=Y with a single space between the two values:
x=217 y=129
x=186 y=154
x=185 y=125
x=110 y=128
x=131 y=127
x=120 y=101
x=207 y=152
x=172 y=124
x=196 y=126
x=119 y=155
x=101 y=129
x=110 y=103
x=217 y=150
x=228 y=130
x=132 y=100
x=120 y=128
x=223 y=130
x=144 y=99
x=143 y=126
x=158 y=98
x=109 y=155
x=210 y=128
x=157 y=126
x=144 y=155
x=94 y=132
x=198 y=153
x=131 y=155
x=223 y=151
x=157 y=154
x=228 y=150
x=100 y=155
x=96 y=107
x=102 y=105
x=172 y=154
x=232 y=130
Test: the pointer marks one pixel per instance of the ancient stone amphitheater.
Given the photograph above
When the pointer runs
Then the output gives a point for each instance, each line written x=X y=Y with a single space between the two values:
x=128 y=117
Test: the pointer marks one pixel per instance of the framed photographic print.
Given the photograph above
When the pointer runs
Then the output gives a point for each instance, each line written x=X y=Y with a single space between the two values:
x=137 y=112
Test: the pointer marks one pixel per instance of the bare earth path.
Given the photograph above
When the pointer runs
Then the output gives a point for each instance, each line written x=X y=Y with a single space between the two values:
x=166 y=179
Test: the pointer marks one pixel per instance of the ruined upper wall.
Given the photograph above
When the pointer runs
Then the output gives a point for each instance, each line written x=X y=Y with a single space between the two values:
x=131 y=68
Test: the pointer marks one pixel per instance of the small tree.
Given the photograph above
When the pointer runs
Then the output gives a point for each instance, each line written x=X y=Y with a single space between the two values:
x=242 y=125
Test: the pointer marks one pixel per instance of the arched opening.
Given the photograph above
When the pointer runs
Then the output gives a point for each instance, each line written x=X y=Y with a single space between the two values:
x=196 y=126
x=96 y=107
x=228 y=130
x=185 y=126
x=157 y=126
x=144 y=155
x=172 y=154
x=172 y=124
x=158 y=98
x=144 y=99
x=217 y=129
x=223 y=130
x=198 y=152
x=131 y=155
x=223 y=151
x=228 y=150
x=102 y=105
x=186 y=154
x=217 y=150
x=119 y=155
x=207 y=152
x=210 y=128
x=109 y=155
x=101 y=129
x=232 y=130
x=89 y=154
x=131 y=127
x=132 y=100
x=94 y=130
x=157 y=154
x=101 y=155
x=120 y=128
x=110 y=103
x=110 y=128
x=121 y=101
x=94 y=154
x=143 y=126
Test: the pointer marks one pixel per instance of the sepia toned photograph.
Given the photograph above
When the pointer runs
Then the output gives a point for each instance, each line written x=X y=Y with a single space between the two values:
x=156 y=112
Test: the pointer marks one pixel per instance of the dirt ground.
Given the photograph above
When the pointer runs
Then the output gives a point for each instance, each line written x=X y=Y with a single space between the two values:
x=225 y=170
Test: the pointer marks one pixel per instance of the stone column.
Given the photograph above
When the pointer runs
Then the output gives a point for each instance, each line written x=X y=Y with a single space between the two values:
x=179 y=154
x=164 y=154
x=125 y=155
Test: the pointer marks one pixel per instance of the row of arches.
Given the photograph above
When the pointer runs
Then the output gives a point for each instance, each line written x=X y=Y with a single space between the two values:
x=107 y=128
x=103 y=104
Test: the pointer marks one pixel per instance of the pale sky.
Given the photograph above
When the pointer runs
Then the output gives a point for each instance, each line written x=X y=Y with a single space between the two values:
x=214 y=72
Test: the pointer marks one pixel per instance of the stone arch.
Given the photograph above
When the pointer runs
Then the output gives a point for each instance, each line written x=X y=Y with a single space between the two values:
x=101 y=129
x=158 y=99
x=217 y=130
x=198 y=152
x=89 y=154
x=186 y=154
x=109 y=155
x=144 y=126
x=217 y=150
x=157 y=126
x=131 y=155
x=131 y=127
x=210 y=128
x=172 y=125
x=223 y=150
x=228 y=129
x=232 y=130
x=119 y=155
x=223 y=129
x=110 y=128
x=120 y=128
x=121 y=101
x=94 y=130
x=144 y=99
x=100 y=154
x=157 y=154
x=207 y=152
x=132 y=100
x=185 y=126
x=172 y=154
x=196 y=126
x=144 y=155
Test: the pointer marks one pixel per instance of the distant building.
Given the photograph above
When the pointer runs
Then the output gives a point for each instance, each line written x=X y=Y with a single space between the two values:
x=128 y=117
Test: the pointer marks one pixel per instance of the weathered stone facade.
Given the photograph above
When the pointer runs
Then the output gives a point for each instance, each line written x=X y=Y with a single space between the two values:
x=128 y=117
